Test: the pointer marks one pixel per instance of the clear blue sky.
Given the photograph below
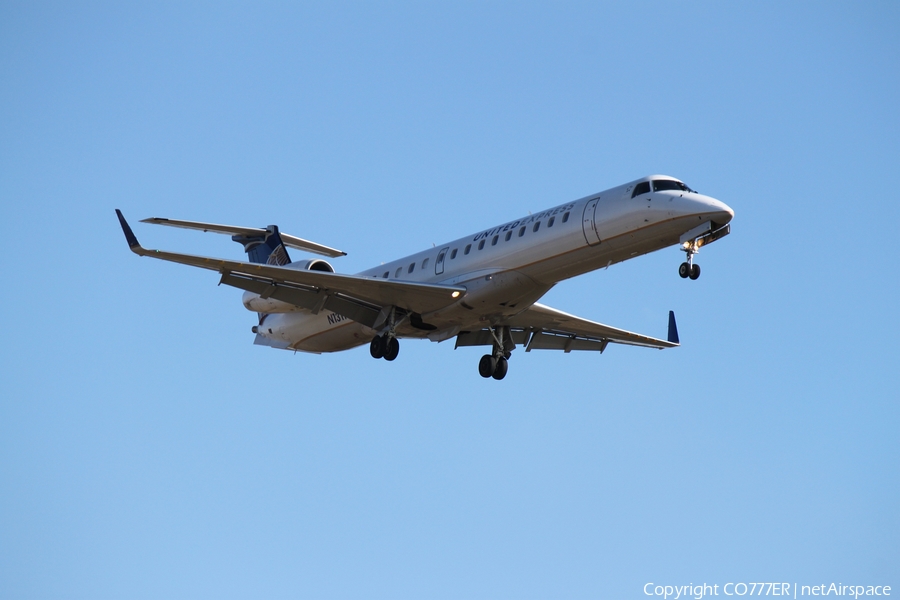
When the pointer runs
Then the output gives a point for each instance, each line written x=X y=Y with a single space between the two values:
x=149 y=450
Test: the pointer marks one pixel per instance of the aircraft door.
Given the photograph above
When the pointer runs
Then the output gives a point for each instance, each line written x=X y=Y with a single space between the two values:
x=587 y=223
x=439 y=263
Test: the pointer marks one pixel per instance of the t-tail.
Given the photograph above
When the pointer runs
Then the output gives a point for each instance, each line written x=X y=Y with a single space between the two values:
x=264 y=248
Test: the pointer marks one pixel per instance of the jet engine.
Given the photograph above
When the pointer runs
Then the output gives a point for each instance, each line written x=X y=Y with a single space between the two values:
x=315 y=264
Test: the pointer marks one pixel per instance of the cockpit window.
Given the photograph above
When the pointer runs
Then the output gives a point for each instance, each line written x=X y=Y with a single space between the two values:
x=667 y=184
x=641 y=188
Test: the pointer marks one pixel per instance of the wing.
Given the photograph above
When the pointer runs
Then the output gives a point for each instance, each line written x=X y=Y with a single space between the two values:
x=545 y=328
x=289 y=240
x=359 y=298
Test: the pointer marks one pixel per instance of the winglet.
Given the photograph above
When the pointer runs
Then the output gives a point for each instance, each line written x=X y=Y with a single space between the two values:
x=673 y=329
x=129 y=235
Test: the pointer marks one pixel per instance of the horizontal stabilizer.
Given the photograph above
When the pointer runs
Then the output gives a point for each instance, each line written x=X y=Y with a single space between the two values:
x=289 y=240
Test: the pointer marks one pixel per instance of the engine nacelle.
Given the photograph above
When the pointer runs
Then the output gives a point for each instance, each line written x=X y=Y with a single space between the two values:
x=253 y=302
x=315 y=264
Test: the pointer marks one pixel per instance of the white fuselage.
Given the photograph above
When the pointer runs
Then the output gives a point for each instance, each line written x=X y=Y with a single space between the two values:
x=507 y=268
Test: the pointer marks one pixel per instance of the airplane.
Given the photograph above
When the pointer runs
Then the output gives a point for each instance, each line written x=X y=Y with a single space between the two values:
x=482 y=289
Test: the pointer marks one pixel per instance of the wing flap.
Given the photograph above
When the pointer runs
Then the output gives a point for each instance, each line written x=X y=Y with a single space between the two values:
x=552 y=327
x=483 y=337
x=543 y=340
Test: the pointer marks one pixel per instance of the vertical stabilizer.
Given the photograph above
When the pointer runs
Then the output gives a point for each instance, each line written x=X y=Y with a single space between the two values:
x=267 y=249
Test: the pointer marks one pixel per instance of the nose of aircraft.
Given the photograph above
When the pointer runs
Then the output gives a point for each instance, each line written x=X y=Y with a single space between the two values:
x=717 y=211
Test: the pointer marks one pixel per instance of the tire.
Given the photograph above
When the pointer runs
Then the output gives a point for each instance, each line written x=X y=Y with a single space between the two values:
x=392 y=349
x=376 y=348
x=695 y=271
x=501 y=369
x=684 y=270
x=486 y=366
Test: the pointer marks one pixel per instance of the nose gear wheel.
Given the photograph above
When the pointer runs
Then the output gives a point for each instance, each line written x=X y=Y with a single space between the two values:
x=688 y=268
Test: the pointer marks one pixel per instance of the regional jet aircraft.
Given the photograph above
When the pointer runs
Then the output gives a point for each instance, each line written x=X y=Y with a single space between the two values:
x=481 y=289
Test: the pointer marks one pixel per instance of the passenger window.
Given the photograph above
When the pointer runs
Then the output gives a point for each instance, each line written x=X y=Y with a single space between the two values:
x=536 y=226
x=397 y=274
x=508 y=235
x=521 y=231
x=565 y=217
x=424 y=263
x=468 y=247
x=481 y=244
x=412 y=267
x=453 y=254
x=550 y=222
x=641 y=188
x=494 y=241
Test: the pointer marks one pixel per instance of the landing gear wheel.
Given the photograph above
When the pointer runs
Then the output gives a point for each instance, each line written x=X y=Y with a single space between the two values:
x=377 y=347
x=487 y=365
x=501 y=369
x=392 y=349
x=695 y=271
x=684 y=270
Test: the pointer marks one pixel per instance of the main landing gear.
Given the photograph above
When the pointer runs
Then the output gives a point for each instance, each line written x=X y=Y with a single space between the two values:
x=384 y=346
x=496 y=364
x=492 y=366
x=688 y=268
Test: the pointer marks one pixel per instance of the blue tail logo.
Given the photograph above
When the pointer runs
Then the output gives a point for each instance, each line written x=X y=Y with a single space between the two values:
x=266 y=249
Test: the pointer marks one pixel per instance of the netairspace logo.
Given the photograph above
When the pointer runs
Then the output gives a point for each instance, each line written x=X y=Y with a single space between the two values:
x=700 y=591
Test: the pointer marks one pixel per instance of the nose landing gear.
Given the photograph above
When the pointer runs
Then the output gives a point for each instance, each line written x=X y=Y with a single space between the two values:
x=688 y=268
x=692 y=240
